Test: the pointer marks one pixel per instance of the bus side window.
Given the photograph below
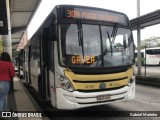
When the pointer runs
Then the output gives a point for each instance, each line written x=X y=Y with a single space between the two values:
x=52 y=33
x=47 y=44
x=51 y=55
x=51 y=46
x=45 y=37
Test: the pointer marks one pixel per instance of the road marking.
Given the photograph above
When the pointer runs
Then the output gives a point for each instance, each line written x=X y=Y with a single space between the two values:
x=142 y=101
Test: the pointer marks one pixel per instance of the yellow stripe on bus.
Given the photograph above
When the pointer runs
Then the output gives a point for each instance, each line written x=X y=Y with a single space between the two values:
x=81 y=84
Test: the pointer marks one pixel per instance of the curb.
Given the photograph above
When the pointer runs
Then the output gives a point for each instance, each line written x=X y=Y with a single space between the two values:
x=148 y=80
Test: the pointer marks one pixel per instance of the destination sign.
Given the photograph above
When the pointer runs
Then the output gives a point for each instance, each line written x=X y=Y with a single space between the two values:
x=77 y=59
x=92 y=14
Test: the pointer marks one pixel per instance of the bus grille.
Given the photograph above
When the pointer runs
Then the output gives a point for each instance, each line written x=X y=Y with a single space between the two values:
x=100 y=90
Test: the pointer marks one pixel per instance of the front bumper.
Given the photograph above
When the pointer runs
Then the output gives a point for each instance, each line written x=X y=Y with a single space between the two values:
x=76 y=99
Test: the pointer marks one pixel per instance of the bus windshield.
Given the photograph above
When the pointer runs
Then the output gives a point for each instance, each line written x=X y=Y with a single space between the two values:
x=86 y=45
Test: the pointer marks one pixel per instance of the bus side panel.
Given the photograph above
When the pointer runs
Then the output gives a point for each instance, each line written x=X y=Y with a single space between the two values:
x=47 y=64
x=35 y=62
x=52 y=56
x=27 y=65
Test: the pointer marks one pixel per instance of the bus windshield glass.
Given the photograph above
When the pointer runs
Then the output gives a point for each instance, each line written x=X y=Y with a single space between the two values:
x=86 y=45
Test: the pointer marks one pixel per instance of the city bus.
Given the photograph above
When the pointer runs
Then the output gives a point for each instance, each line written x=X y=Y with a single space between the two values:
x=152 y=56
x=81 y=56
x=19 y=64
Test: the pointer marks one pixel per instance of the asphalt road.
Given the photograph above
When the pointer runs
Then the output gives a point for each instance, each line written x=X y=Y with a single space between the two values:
x=147 y=99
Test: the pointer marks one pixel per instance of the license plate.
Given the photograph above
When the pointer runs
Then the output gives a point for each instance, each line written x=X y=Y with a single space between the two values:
x=103 y=97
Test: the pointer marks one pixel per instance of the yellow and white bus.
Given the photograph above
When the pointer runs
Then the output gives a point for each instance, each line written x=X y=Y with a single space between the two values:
x=81 y=56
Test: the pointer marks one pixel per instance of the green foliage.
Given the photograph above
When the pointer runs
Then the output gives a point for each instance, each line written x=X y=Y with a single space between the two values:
x=150 y=42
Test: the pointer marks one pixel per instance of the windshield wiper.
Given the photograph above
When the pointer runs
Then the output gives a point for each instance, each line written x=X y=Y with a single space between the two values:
x=113 y=36
x=80 y=35
x=110 y=42
x=106 y=50
x=114 y=32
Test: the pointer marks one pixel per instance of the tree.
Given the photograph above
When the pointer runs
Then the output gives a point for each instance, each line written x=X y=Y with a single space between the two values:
x=150 y=42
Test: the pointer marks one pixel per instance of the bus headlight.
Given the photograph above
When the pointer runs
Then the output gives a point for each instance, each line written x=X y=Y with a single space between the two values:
x=64 y=83
x=132 y=79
